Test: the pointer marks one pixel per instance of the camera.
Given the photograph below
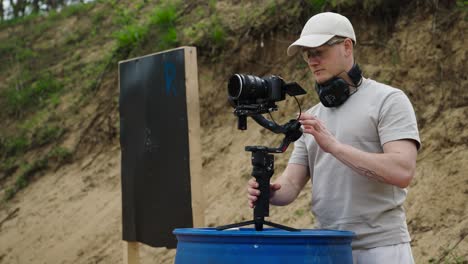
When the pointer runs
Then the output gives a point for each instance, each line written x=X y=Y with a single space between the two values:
x=252 y=95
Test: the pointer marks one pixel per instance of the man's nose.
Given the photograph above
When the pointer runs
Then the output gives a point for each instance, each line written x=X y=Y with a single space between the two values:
x=313 y=61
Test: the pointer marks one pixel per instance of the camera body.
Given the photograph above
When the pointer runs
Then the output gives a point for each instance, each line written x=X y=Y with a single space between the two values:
x=250 y=89
x=252 y=95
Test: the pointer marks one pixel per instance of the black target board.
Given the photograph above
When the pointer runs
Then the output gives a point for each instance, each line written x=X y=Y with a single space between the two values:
x=154 y=139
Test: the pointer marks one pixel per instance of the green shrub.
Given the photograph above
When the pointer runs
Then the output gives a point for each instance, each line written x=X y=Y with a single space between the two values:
x=218 y=35
x=168 y=39
x=46 y=134
x=74 y=9
x=57 y=156
x=25 y=54
x=60 y=155
x=164 y=15
x=8 y=166
x=36 y=94
x=164 y=19
x=317 y=5
x=130 y=36
x=27 y=171
x=14 y=146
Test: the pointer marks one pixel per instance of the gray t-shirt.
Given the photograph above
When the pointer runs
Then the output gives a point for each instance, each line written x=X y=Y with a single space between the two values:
x=343 y=199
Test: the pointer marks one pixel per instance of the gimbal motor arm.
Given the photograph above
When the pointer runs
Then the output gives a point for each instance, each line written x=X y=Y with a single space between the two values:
x=291 y=130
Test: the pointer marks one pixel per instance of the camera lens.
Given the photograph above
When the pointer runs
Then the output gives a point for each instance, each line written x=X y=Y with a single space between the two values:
x=235 y=86
x=247 y=87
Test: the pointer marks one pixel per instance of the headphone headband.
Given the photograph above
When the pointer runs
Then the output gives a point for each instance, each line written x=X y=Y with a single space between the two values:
x=355 y=74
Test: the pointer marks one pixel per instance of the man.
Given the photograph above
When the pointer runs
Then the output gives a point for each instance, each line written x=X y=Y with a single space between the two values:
x=359 y=148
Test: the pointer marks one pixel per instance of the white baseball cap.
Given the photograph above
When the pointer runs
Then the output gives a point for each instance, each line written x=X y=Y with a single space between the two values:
x=320 y=29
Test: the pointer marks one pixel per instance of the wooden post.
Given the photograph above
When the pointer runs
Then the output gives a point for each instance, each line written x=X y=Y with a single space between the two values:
x=193 y=114
x=131 y=253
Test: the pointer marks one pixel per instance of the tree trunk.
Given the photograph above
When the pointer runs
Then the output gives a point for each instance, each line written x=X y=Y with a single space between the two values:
x=15 y=8
x=35 y=6
x=1 y=11
x=19 y=7
x=52 y=4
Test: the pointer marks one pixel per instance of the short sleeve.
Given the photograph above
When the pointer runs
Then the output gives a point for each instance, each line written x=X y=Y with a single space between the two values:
x=300 y=154
x=397 y=119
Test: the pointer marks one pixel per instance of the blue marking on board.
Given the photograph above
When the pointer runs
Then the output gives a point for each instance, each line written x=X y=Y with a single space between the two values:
x=169 y=77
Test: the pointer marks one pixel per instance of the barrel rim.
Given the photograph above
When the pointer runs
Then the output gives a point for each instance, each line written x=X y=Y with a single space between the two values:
x=267 y=232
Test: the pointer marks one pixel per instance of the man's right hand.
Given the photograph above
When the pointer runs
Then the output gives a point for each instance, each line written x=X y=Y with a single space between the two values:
x=253 y=192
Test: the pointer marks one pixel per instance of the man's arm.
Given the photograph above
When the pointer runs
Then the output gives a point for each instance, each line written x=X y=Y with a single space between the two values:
x=292 y=181
x=285 y=188
x=396 y=166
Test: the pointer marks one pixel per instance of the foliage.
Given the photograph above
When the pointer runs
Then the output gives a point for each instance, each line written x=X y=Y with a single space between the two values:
x=13 y=146
x=130 y=36
x=299 y=212
x=317 y=5
x=21 y=98
x=8 y=167
x=218 y=34
x=27 y=171
x=46 y=134
x=58 y=155
x=364 y=6
x=164 y=19
x=208 y=32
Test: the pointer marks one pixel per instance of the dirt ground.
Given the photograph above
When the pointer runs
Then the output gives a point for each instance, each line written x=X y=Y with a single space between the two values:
x=73 y=214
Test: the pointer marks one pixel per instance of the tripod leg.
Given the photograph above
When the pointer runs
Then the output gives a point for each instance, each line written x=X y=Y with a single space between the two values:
x=250 y=222
x=287 y=228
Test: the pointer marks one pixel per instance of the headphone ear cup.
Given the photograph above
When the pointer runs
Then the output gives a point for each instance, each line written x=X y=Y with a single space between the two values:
x=333 y=93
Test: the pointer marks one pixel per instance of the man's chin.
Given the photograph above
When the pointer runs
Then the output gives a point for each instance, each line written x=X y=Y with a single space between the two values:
x=322 y=79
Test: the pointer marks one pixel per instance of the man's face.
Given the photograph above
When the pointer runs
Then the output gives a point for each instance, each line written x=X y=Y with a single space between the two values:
x=325 y=61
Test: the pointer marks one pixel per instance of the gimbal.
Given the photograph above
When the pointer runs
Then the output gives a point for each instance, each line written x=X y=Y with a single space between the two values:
x=263 y=169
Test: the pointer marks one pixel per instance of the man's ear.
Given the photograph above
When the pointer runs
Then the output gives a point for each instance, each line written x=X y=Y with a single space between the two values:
x=348 y=45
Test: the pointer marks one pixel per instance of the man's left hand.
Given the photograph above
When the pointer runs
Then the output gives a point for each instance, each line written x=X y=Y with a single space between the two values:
x=315 y=127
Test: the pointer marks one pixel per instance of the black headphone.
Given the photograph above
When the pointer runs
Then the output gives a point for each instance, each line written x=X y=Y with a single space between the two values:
x=335 y=91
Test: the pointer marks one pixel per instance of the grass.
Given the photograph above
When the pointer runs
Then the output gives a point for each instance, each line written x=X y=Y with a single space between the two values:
x=13 y=146
x=317 y=5
x=130 y=36
x=19 y=144
x=299 y=212
x=23 y=97
x=8 y=167
x=60 y=155
x=208 y=33
x=27 y=171
x=218 y=34
x=57 y=156
x=46 y=134
x=164 y=19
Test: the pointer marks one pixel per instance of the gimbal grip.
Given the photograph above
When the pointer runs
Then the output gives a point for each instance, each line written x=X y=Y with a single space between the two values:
x=263 y=164
x=262 y=205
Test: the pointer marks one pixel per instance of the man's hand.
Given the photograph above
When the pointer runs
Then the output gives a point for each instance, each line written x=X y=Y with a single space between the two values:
x=253 y=192
x=312 y=125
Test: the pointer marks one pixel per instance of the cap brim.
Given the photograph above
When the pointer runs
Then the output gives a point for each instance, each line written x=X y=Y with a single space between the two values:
x=311 y=41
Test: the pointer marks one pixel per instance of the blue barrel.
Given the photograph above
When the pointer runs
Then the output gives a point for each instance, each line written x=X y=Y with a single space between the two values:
x=271 y=246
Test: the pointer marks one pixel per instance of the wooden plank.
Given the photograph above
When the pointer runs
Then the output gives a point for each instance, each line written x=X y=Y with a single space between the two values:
x=193 y=116
x=131 y=253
